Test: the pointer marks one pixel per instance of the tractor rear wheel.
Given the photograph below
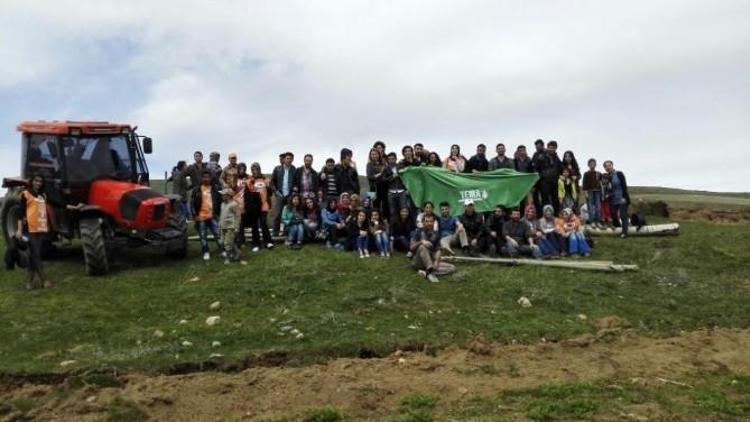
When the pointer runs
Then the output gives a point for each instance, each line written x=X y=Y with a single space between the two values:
x=178 y=221
x=94 y=247
x=9 y=216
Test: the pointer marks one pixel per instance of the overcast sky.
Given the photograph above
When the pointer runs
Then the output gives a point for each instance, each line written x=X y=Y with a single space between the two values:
x=660 y=87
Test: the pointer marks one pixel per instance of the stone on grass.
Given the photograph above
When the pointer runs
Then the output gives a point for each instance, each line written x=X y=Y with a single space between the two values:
x=213 y=320
x=524 y=302
x=158 y=334
x=67 y=363
x=215 y=306
x=216 y=344
x=186 y=343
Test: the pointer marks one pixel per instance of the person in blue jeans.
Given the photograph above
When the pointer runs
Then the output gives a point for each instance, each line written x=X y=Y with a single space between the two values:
x=619 y=197
x=294 y=222
x=570 y=230
x=379 y=231
x=206 y=204
x=592 y=188
x=362 y=228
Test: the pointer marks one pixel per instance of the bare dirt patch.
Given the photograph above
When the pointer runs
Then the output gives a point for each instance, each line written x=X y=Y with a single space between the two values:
x=372 y=388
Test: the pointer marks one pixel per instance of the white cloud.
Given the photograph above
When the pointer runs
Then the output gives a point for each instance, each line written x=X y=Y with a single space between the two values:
x=607 y=79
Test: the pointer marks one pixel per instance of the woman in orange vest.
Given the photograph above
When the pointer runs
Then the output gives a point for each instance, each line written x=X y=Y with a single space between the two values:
x=35 y=219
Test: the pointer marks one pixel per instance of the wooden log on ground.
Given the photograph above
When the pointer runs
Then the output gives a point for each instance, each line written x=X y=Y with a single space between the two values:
x=604 y=266
x=670 y=229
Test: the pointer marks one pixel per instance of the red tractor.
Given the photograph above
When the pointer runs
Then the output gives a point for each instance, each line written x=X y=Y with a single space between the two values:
x=97 y=190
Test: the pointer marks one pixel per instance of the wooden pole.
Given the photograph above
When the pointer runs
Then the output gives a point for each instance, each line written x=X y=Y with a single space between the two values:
x=582 y=265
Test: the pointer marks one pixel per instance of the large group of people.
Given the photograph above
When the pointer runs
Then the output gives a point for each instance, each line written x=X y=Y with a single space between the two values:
x=328 y=206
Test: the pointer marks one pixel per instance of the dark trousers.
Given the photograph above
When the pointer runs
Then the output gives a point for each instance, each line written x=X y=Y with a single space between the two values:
x=621 y=211
x=259 y=224
x=545 y=193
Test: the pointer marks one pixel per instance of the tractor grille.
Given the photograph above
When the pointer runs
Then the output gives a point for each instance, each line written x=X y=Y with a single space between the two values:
x=159 y=212
x=132 y=200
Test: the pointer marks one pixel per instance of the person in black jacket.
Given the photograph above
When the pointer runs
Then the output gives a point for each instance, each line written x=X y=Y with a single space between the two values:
x=473 y=224
x=478 y=162
x=346 y=175
x=306 y=180
x=401 y=229
x=206 y=204
x=545 y=190
x=619 y=197
x=282 y=186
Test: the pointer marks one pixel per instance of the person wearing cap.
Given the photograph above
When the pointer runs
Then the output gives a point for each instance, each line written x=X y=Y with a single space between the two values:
x=426 y=252
x=228 y=176
x=257 y=205
x=306 y=180
x=282 y=181
x=229 y=223
x=451 y=230
x=473 y=224
x=519 y=239
x=206 y=205
x=346 y=175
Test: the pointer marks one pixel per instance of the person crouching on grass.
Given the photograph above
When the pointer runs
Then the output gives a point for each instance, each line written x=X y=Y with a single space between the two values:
x=426 y=249
x=229 y=223
x=206 y=203
x=379 y=231
x=362 y=228
x=293 y=219
x=34 y=217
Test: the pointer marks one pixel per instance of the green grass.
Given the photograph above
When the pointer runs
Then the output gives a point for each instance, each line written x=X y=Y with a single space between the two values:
x=342 y=304
x=709 y=397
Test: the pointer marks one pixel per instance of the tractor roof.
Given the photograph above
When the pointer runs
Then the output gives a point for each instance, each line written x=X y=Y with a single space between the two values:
x=67 y=127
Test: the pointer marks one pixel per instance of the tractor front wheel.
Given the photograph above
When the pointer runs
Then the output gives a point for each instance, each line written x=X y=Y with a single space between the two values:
x=178 y=221
x=94 y=247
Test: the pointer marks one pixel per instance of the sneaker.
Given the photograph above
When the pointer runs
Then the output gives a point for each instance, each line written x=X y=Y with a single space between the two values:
x=206 y=256
x=623 y=236
x=367 y=254
x=361 y=254
x=432 y=278
x=409 y=254
x=256 y=249
x=329 y=245
x=227 y=261
x=382 y=254
x=48 y=284
x=388 y=255
x=269 y=246
x=224 y=255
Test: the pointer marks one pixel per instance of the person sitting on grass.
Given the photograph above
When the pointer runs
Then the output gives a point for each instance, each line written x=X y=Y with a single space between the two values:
x=293 y=219
x=473 y=224
x=546 y=247
x=424 y=246
x=569 y=229
x=34 y=218
x=548 y=239
x=401 y=230
x=519 y=240
x=451 y=230
x=311 y=218
x=494 y=236
x=229 y=223
x=379 y=232
x=362 y=227
x=206 y=204
x=333 y=225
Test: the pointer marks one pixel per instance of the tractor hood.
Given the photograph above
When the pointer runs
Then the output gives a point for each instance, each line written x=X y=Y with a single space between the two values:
x=131 y=205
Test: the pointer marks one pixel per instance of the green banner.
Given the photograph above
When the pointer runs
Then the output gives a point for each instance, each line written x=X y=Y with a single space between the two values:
x=504 y=187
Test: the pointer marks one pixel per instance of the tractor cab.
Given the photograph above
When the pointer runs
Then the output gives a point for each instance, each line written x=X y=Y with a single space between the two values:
x=72 y=155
